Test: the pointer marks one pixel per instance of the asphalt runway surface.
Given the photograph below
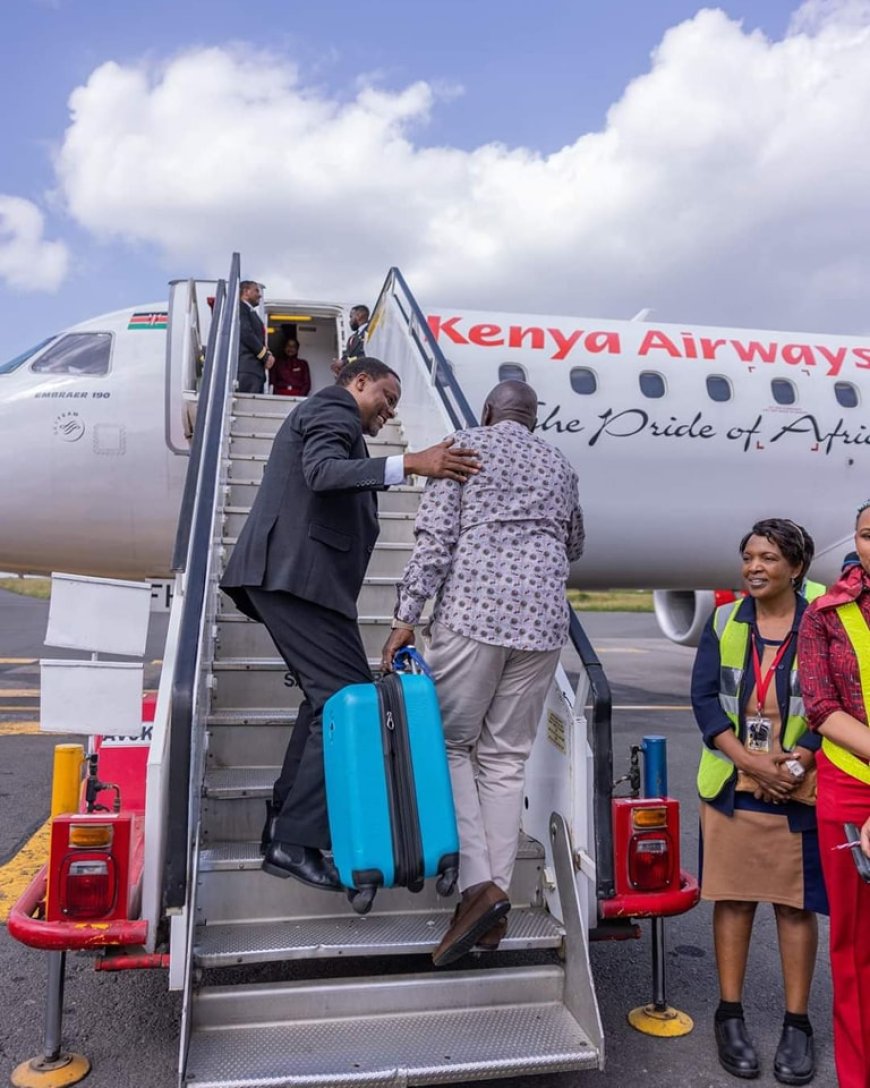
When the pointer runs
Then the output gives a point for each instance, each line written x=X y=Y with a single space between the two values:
x=127 y=1023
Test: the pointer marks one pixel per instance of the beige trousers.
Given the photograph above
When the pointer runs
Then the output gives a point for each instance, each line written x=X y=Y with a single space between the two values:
x=491 y=699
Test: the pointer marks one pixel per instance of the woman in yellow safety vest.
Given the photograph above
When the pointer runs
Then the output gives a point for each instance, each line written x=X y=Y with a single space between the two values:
x=758 y=835
x=834 y=647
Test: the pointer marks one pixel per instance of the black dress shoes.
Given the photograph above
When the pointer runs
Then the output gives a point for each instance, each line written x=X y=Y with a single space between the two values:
x=269 y=826
x=303 y=863
x=736 y=1053
x=795 y=1061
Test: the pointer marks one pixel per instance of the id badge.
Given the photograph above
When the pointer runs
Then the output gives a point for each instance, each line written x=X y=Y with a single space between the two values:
x=759 y=731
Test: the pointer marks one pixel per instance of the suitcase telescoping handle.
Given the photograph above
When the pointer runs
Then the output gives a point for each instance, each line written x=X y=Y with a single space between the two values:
x=410 y=660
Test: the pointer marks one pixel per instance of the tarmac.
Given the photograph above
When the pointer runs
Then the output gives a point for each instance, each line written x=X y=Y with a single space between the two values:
x=127 y=1024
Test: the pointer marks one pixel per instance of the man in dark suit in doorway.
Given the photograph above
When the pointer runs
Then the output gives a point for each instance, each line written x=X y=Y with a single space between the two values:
x=254 y=356
x=298 y=567
x=355 y=348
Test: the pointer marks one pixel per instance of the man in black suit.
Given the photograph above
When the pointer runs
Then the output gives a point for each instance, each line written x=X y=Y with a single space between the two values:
x=298 y=567
x=355 y=348
x=254 y=356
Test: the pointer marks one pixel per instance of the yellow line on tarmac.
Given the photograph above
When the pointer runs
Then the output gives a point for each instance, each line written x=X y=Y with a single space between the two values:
x=16 y=874
x=18 y=660
x=620 y=650
x=19 y=693
x=17 y=728
x=17 y=709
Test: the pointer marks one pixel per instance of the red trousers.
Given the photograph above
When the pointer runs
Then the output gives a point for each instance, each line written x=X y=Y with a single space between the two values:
x=843 y=799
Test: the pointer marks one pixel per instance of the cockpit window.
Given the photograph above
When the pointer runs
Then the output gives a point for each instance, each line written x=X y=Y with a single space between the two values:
x=19 y=360
x=77 y=353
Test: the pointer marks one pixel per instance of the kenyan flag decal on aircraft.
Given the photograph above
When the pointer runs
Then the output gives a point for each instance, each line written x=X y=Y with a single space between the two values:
x=148 y=319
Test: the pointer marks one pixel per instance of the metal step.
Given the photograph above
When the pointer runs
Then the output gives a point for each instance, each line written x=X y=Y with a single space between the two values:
x=232 y=888
x=377 y=598
x=241 y=465
x=256 y=745
x=252 y=443
x=227 y=782
x=268 y=420
x=239 y=636
x=348 y=934
x=387 y=560
x=401 y=499
x=395 y=527
x=390 y=1031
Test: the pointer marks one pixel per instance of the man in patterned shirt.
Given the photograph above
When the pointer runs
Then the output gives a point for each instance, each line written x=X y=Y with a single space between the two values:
x=495 y=554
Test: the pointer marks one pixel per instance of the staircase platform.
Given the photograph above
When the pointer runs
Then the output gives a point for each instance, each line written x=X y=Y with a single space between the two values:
x=443 y=1027
x=387 y=934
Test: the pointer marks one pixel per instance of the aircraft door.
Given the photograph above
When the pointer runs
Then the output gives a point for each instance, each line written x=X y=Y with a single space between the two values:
x=187 y=333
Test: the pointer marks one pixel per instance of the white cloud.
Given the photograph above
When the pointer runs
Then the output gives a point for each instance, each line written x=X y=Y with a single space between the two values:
x=731 y=183
x=27 y=261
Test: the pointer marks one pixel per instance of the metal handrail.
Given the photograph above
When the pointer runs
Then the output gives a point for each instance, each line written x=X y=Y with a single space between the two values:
x=462 y=417
x=191 y=479
x=204 y=469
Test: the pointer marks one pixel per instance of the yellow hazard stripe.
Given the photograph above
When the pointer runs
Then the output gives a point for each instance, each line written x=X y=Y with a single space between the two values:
x=10 y=729
x=19 y=693
x=16 y=874
x=18 y=660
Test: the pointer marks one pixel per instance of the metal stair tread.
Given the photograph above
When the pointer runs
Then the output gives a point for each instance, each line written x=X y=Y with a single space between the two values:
x=387 y=1050
x=282 y=716
x=263 y=664
x=385 y=515
x=234 y=855
x=240 y=781
x=348 y=934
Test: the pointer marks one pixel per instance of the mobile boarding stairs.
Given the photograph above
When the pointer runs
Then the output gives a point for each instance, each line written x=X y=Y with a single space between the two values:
x=285 y=985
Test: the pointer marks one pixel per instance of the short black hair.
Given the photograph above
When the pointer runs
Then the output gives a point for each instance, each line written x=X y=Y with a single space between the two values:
x=361 y=309
x=792 y=539
x=365 y=365
x=245 y=284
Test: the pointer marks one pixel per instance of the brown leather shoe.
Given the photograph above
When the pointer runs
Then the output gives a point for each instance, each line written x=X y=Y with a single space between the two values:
x=490 y=941
x=471 y=921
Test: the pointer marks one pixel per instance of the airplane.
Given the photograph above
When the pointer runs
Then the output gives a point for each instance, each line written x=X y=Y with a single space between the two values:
x=682 y=435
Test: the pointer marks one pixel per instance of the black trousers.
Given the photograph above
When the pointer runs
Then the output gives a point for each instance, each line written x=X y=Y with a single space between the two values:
x=324 y=651
x=250 y=383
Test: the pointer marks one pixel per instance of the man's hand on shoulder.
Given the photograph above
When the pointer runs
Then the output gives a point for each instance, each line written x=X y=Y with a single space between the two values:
x=446 y=461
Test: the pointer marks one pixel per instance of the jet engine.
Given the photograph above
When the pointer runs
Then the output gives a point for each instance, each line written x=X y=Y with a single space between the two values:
x=682 y=613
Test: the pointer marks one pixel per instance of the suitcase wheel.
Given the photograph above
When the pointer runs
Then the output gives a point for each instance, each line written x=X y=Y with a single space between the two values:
x=361 y=899
x=446 y=882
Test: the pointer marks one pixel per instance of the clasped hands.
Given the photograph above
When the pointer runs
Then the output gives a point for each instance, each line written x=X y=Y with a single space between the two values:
x=775 y=781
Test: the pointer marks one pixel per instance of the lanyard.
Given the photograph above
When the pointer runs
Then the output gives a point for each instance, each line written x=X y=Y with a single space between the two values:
x=762 y=683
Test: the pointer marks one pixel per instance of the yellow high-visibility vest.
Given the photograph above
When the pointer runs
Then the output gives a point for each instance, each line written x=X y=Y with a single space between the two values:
x=716 y=770
x=858 y=634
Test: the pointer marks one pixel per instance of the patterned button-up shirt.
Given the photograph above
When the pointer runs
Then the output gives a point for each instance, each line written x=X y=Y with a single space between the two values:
x=495 y=550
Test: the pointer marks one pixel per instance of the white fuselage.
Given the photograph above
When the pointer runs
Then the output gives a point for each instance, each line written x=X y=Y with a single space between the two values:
x=93 y=464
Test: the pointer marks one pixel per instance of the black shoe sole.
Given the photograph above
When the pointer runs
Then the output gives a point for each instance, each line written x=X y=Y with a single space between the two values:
x=792 y=1078
x=470 y=938
x=743 y=1074
x=284 y=874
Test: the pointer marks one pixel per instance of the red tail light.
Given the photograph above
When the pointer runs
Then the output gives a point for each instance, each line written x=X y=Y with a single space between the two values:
x=650 y=861
x=88 y=886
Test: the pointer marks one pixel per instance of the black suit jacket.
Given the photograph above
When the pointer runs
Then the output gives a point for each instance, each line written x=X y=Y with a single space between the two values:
x=355 y=347
x=252 y=342
x=314 y=523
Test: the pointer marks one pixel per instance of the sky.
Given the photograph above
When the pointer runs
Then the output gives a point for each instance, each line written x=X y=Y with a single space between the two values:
x=565 y=156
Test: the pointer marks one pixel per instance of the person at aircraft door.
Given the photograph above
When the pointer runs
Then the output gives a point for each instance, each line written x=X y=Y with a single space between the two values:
x=355 y=348
x=298 y=567
x=290 y=376
x=495 y=556
x=254 y=356
x=756 y=782
x=834 y=647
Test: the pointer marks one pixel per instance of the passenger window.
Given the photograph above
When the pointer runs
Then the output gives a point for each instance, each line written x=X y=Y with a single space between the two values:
x=718 y=388
x=846 y=394
x=14 y=364
x=652 y=384
x=77 y=353
x=583 y=380
x=783 y=391
x=511 y=372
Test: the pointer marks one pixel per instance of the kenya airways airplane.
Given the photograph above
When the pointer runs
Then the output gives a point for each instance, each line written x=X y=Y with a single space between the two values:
x=682 y=436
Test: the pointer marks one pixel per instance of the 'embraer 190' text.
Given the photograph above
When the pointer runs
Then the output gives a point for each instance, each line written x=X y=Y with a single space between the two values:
x=655 y=344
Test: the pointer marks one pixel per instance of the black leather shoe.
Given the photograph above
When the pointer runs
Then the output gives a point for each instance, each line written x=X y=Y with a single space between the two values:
x=269 y=827
x=795 y=1061
x=304 y=863
x=736 y=1053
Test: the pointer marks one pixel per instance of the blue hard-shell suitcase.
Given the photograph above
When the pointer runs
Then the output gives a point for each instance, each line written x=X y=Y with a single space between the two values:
x=388 y=787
